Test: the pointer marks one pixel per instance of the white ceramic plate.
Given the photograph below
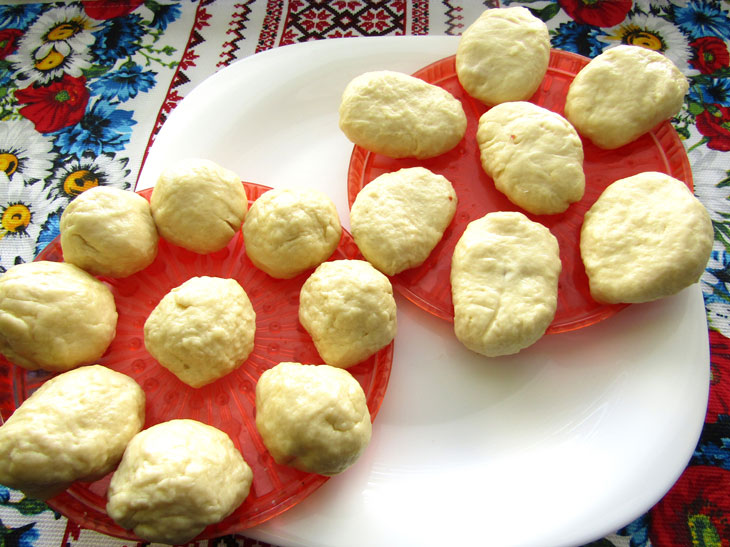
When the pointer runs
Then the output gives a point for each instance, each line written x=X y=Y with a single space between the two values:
x=559 y=445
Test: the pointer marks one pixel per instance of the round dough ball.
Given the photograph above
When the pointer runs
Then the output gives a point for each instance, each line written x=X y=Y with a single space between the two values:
x=108 y=231
x=398 y=218
x=504 y=283
x=175 y=479
x=74 y=427
x=347 y=306
x=54 y=316
x=401 y=116
x=289 y=231
x=312 y=417
x=646 y=237
x=503 y=56
x=198 y=205
x=202 y=330
x=534 y=156
x=612 y=109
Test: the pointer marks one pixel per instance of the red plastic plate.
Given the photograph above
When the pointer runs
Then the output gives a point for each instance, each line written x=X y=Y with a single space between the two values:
x=428 y=285
x=227 y=403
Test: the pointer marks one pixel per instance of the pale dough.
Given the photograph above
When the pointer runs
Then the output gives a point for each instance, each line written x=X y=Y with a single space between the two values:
x=623 y=93
x=312 y=417
x=398 y=218
x=347 y=306
x=199 y=205
x=534 y=156
x=646 y=237
x=202 y=330
x=54 y=316
x=108 y=231
x=503 y=56
x=74 y=427
x=176 y=478
x=504 y=282
x=401 y=116
x=288 y=231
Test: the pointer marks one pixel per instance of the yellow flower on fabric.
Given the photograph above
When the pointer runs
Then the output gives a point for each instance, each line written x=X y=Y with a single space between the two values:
x=654 y=33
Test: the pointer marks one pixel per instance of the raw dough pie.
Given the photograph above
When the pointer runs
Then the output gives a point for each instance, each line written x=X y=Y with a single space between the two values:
x=534 y=156
x=503 y=56
x=504 y=282
x=646 y=237
x=312 y=417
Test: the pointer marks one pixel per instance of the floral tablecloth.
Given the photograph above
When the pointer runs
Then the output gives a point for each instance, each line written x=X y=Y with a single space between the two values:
x=85 y=86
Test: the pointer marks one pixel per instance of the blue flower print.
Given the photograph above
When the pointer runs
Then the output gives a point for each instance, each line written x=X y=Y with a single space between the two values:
x=119 y=39
x=51 y=229
x=637 y=531
x=19 y=15
x=703 y=18
x=23 y=536
x=102 y=129
x=164 y=14
x=581 y=39
x=124 y=83
x=715 y=91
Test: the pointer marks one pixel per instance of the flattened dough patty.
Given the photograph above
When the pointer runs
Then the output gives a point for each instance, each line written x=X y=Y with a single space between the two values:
x=534 y=156
x=398 y=218
x=54 y=316
x=175 y=479
x=74 y=427
x=312 y=417
x=108 y=231
x=646 y=237
x=288 y=231
x=503 y=56
x=400 y=116
x=202 y=330
x=612 y=108
x=504 y=283
x=199 y=205
x=347 y=307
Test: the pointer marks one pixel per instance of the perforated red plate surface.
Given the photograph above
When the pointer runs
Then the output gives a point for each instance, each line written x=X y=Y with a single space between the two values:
x=428 y=285
x=227 y=403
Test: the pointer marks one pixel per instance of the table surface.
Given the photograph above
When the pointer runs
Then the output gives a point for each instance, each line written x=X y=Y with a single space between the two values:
x=83 y=110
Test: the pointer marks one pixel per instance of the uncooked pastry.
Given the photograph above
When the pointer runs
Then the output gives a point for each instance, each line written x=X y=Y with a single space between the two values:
x=288 y=231
x=645 y=237
x=623 y=93
x=175 y=479
x=202 y=330
x=74 y=427
x=312 y=417
x=534 y=156
x=401 y=116
x=504 y=282
x=198 y=205
x=503 y=56
x=347 y=306
x=54 y=316
x=398 y=218
x=108 y=231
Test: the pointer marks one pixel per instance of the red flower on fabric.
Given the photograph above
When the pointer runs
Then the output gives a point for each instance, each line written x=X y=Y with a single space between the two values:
x=714 y=124
x=599 y=13
x=719 y=402
x=54 y=106
x=9 y=41
x=108 y=9
x=710 y=54
x=695 y=510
